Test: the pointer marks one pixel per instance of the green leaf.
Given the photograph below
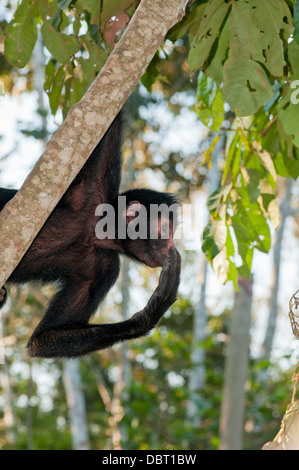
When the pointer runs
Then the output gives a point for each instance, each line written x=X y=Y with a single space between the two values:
x=296 y=21
x=57 y=19
x=265 y=158
x=149 y=77
x=229 y=156
x=280 y=166
x=275 y=14
x=182 y=27
x=253 y=184
x=101 y=12
x=246 y=87
x=209 y=29
x=232 y=273
x=215 y=66
x=97 y=55
x=53 y=85
x=113 y=8
x=288 y=114
x=288 y=109
x=206 y=89
x=47 y=8
x=209 y=103
x=245 y=269
x=63 y=4
x=21 y=34
x=249 y=223
x=209 y=246
x=60 y=45
x=217 y=198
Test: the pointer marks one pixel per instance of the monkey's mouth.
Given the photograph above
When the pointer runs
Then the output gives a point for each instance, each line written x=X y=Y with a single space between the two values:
x=154 y=264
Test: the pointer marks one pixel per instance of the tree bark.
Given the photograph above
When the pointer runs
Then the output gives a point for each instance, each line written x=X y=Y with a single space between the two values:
x=86 y=123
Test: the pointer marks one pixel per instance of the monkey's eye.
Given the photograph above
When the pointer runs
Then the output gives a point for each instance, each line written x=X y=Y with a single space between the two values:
x=164 y=228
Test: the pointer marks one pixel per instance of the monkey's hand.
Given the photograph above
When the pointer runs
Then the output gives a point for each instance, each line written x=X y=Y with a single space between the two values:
x=3 y=296
x=164 y=295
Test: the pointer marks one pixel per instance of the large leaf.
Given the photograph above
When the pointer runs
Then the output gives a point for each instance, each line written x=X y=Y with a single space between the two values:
x=47 y=8
x=246 y=86
x=21 y=33
x=188 y=23
x=60 y=45
x=275 y=15
x=209 y=29
x=288 y=112
x=249 y=222
x=215 y=66
x=296 y=21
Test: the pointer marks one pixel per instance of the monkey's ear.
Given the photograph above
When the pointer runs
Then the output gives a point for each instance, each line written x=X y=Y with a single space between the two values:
x=132 y=208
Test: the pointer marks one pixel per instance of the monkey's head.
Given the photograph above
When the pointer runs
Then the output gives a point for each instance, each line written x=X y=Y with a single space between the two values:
x=151 y=220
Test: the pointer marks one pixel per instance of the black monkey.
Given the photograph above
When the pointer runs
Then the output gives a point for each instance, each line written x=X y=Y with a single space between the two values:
x=67 y=250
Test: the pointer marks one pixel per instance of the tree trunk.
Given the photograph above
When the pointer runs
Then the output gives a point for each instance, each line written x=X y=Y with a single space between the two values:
x=9 y=418
x=76 y=404
x=273 y=308
x=70 y=146
x=197 y=375
x=236 y=366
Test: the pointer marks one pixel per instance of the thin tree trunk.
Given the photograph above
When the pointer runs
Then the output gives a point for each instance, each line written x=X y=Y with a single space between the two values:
x=125 y=347
x=197 y=376
x=86 y=123
x=76 y=404
x=236 y=366
x=198 y=370
x=9 y=418
x=112 y=405
x=29 y=411
x=273 y=308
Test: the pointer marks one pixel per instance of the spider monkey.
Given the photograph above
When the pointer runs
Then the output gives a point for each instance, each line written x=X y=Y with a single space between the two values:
x=67 y=250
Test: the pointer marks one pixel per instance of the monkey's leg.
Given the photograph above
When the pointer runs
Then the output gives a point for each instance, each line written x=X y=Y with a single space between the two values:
x=53 y=338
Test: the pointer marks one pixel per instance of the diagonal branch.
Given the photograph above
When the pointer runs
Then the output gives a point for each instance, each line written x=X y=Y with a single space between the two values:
x=86 y=123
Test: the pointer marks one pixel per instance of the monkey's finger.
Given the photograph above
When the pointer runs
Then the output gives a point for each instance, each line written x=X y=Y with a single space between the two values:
x=174 y=276
x=165 y=269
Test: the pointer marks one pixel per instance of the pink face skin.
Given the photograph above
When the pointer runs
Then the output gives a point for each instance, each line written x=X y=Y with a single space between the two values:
x=151 y=251
x=157 y=249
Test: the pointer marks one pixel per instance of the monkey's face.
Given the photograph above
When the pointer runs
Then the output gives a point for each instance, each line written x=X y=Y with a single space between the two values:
x=152 y=249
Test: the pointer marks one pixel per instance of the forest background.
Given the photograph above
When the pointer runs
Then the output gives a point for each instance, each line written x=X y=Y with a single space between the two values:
x=195 y=134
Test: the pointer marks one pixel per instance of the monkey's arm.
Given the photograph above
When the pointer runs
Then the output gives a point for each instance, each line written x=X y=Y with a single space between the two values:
x=162 y=298
x=57 y=339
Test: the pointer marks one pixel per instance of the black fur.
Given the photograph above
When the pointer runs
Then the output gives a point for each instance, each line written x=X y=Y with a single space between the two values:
x=67 y=250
